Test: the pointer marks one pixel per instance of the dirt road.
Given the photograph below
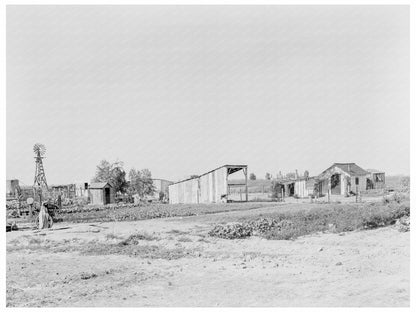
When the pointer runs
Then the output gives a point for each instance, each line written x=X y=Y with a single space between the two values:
x=175 y=263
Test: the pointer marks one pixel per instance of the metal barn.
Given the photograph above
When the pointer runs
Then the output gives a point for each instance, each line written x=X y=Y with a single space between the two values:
x=210 y=187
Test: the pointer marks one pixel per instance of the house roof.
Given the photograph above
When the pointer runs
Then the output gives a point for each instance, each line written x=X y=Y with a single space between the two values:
x=99 y=185
x=350 y=168
x=374 y=171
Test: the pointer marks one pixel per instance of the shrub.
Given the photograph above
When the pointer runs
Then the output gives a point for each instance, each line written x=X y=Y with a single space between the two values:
x=231 y=231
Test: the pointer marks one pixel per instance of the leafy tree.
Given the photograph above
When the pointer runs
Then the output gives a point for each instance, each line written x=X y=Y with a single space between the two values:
x=291 y=175
x=112 y=173
x=252 y=176
x=141 y=182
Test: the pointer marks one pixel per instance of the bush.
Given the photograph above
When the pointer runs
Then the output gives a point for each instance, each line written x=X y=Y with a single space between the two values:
x=231 y=231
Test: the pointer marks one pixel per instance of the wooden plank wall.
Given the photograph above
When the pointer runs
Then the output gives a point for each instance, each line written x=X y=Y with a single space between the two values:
x=208 y=188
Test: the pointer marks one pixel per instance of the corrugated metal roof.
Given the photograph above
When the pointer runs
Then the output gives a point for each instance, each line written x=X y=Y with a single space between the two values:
x=228 y=166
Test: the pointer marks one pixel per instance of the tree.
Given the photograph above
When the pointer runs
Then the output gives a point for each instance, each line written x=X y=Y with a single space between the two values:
x=141 y=182
x=268 y=176
x=111 y=173
x=291 y=175
x=252 y=176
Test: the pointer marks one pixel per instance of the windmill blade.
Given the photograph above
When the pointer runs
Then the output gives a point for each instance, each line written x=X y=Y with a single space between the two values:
x=39 y=149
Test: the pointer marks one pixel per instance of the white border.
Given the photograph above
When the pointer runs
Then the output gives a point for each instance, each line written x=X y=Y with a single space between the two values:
x=199 y=2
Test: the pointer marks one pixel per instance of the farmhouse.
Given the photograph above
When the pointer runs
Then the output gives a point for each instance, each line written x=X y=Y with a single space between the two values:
x=339 y=179
x=299 y=186
x=342 y=179
x=210 y=187
x=101 y=193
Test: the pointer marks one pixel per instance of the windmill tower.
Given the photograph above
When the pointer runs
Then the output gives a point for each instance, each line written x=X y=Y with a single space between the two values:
x=39 y=183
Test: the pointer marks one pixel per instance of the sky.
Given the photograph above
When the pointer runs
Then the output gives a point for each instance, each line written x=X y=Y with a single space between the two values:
x=182 y=90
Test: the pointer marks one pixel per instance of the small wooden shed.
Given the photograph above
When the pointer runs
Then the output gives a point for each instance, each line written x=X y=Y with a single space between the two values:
x=101 y=193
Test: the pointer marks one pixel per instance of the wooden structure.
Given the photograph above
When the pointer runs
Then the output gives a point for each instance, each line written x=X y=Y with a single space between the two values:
x=65 y=190
x=81 y=189
x=301 y=187
x=342 y=179
x=376 y=179
x=12 y=188
x=161 y=186
x=210 y=187
x=101 y=193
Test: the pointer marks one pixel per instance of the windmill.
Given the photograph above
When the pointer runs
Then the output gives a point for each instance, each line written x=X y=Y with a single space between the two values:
x=39 y=183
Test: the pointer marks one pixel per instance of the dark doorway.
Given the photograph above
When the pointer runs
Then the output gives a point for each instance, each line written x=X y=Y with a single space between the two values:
x=336 y=184
x=291 y=189
x=107 y=196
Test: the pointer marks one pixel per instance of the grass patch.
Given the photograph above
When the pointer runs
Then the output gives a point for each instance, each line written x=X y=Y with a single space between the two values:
x=134 y=239
x=130 y=212
x=177 y=232
x=337 y=218
x=184 y=239
x=142 y=251
x=131 y=246
x=111 y=236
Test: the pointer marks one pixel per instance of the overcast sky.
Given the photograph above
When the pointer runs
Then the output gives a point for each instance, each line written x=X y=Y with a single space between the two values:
x=184 y=89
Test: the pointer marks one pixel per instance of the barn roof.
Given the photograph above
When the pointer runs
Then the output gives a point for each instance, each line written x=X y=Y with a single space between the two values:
x=231 y=170
x=99 y=185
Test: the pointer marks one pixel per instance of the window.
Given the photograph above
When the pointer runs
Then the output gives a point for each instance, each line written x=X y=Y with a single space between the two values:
x=357 y=180
x=379 y=178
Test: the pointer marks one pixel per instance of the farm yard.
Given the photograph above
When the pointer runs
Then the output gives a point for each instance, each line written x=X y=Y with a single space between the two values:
x=238 y=254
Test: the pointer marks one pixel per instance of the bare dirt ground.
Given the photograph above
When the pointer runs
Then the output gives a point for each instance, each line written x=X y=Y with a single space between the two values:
x=175 y=263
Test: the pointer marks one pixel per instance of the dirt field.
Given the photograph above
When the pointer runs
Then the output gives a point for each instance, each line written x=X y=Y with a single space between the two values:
x=173 y=262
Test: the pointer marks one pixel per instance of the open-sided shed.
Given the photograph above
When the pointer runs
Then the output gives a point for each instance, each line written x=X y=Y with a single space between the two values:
x=210 y=187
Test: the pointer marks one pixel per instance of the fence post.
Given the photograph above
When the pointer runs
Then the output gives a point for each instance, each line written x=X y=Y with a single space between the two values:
x=329 y=199
x=356 y=193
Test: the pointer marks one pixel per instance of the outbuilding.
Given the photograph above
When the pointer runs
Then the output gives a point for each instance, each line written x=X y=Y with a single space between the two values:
x=101 y=193
x=210 y=187
x=376 y=179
